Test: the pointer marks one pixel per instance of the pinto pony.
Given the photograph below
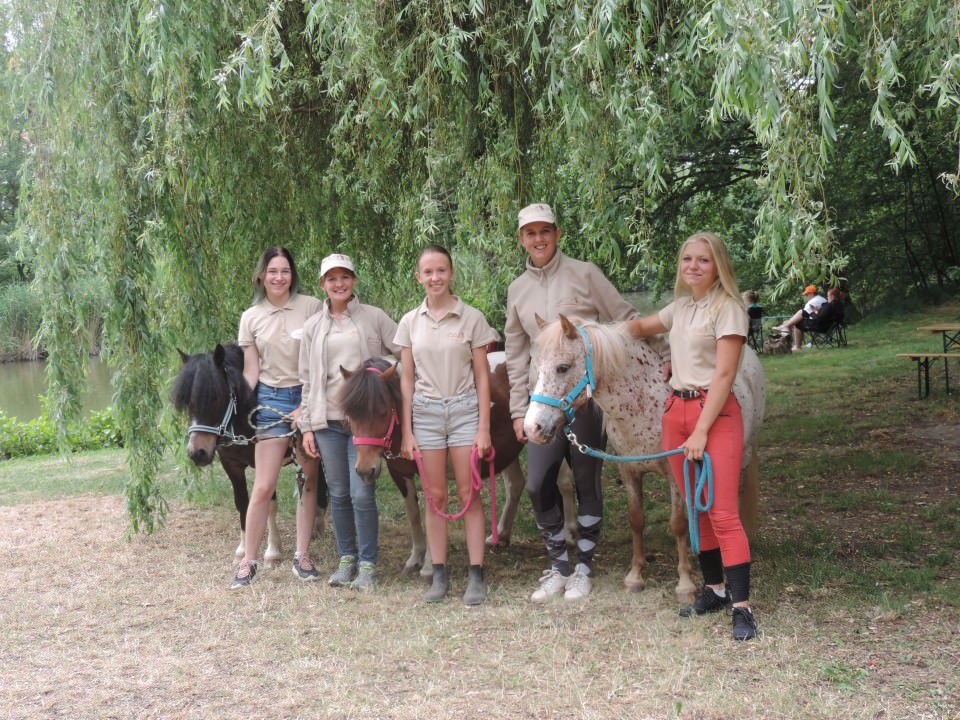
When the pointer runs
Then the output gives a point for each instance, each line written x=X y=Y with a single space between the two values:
x=211 y=389
x=372 y=403
x=625 y=377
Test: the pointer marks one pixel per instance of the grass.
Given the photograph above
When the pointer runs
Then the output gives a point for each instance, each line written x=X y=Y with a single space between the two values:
x=856 y=571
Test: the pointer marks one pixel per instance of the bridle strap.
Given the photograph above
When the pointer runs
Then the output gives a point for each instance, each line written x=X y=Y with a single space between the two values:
x=224 y=432
x=386 y=441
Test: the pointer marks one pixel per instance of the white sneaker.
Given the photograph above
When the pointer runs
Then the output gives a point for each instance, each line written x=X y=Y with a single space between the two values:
x=578 y=586
x=552 y=583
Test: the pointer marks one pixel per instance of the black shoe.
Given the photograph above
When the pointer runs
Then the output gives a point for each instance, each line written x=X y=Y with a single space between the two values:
x=708 y=602
x=303 y=568
x=744 y=625
x=245 y=575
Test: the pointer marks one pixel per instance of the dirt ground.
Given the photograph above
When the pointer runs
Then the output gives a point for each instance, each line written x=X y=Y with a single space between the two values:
x=100 y=627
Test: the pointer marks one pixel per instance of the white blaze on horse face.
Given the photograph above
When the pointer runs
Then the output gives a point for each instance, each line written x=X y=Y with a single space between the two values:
x=558 y=372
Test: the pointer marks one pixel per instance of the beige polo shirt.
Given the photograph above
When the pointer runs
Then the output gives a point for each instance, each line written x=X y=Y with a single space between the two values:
x=695 y=327
x=443 y=349
x=276 y=333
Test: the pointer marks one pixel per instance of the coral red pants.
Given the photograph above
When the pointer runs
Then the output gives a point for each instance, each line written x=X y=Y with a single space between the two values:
x=720 y=526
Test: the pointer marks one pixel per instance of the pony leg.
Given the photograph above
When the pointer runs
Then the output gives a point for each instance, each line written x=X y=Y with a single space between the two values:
x=685 y=589
x=565 y=486
x=274 y=552
x=749 y=481
x=633 y=482
x=418 y=540
x=513 y=483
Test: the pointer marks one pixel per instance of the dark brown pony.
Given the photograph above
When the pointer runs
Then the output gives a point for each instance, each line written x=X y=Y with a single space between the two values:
x=211 y=389
x=372 y=403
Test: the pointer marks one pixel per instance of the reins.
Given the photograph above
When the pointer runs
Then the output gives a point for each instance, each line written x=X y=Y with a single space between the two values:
x=702 y=473
x=476 y=485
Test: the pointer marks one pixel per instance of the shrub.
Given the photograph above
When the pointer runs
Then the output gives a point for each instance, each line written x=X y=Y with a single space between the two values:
x=37 y=437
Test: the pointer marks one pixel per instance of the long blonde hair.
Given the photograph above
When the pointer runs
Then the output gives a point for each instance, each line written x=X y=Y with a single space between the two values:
x=726 y=277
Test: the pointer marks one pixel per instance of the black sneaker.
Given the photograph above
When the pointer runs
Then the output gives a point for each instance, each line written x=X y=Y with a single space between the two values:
x=245 y=574
x=708 y=602
x=744 y=625
x=304 y=569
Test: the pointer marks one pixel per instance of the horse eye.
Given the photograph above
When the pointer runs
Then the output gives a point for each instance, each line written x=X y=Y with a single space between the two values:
x=561 y=369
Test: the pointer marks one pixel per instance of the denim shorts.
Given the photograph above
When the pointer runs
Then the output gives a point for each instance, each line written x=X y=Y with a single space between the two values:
x=276 y=403
x=446 y=422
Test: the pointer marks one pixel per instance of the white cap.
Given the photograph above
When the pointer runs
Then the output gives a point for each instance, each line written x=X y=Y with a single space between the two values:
x=336 y=261
x=538 y=212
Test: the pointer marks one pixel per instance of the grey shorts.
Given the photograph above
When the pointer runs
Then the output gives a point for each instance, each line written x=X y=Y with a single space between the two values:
x=446 y=422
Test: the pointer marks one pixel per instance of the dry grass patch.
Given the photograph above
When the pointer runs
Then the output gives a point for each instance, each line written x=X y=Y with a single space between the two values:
x=98 y=627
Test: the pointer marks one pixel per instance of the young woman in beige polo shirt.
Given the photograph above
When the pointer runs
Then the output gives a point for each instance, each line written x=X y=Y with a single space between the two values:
x=343 y=334
x=270 y=332
x=445 y=381
x=708 y=326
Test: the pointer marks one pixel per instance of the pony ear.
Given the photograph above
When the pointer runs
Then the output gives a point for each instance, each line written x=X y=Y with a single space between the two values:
x=219 y=355
x=569 y=329
x=183 y=356
x=388 y=374
x=347 y=374
x=540 y=321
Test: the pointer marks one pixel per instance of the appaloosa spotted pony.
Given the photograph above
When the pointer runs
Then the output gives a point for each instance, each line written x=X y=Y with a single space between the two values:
x=626 y=379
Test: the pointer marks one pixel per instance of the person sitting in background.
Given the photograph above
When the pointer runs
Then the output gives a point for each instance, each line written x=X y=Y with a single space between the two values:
x=827 y=314
x=755 y=313
x=810 y=308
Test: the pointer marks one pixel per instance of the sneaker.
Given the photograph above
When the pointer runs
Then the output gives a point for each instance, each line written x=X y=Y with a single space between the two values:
x=304 y=569
x=708 y=602
x=344 y=572
x=245 y=574
x=578 y=586
x=779 y=329
x=744 y=624
x=366 y=577
x=552 y=583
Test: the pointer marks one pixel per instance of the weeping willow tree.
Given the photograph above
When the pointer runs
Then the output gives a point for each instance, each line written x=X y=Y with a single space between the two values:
x=169 y=142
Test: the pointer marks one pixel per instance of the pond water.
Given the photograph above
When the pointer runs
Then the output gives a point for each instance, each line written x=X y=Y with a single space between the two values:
x=22 y=384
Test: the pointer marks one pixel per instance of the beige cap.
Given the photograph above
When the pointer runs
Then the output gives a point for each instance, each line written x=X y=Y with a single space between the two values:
x=538 y=212
x=336 y=261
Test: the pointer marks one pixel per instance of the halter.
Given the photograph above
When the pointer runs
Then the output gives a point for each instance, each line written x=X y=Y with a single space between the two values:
x=386 y=442
x=224 y=432
x=587 y=383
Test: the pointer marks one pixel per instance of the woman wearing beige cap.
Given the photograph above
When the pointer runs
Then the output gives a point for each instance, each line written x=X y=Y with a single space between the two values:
x=344 y=333
x=553 y=284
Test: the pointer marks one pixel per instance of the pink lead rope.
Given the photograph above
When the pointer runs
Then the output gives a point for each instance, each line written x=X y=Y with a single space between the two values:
x=476 y=485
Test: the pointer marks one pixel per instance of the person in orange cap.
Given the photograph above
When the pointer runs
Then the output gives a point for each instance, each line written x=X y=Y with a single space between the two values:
x=814 y=301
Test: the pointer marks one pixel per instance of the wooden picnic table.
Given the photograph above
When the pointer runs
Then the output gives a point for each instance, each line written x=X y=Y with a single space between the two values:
x=951 y=350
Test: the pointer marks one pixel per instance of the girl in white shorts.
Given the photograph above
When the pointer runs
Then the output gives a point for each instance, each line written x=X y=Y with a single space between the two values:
x=445 y=381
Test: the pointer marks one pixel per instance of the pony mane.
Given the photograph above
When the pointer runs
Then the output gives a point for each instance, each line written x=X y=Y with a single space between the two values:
x=609 y=343
x=365 y=394
x=202 y=384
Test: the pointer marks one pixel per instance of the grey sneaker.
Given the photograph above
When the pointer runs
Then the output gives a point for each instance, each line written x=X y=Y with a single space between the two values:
x=552 y=583
x=303 y=568
x=344 y=573
x=245 y=574
x=366 y=577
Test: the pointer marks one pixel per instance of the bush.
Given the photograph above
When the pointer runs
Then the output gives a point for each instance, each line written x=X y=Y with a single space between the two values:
x=37 y=437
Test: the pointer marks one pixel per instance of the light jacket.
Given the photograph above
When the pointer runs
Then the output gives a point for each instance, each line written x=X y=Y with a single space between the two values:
x=574 y=288
x=376 y=331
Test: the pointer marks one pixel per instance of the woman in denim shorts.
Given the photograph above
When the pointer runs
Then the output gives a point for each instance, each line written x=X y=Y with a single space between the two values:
x=445 y=381
x=270 y=332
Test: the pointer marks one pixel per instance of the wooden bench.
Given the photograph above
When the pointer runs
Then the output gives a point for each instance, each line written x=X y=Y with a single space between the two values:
x=923 y=363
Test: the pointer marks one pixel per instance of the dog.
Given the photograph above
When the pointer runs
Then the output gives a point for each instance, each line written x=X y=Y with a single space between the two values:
x=777 y=343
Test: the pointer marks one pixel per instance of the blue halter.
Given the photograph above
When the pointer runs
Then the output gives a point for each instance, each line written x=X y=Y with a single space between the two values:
x=586 y=383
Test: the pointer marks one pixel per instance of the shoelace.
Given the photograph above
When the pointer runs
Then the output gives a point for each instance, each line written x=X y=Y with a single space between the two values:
x=244 y=570
x=305 y=563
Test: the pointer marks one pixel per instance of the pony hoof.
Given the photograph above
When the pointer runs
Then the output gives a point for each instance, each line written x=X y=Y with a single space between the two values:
x=502 y=542
x=410 y=569
x=685 y=598
x=633 y=587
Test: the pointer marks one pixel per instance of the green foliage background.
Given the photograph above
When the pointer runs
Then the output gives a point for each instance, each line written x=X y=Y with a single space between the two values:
x=166 y=143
